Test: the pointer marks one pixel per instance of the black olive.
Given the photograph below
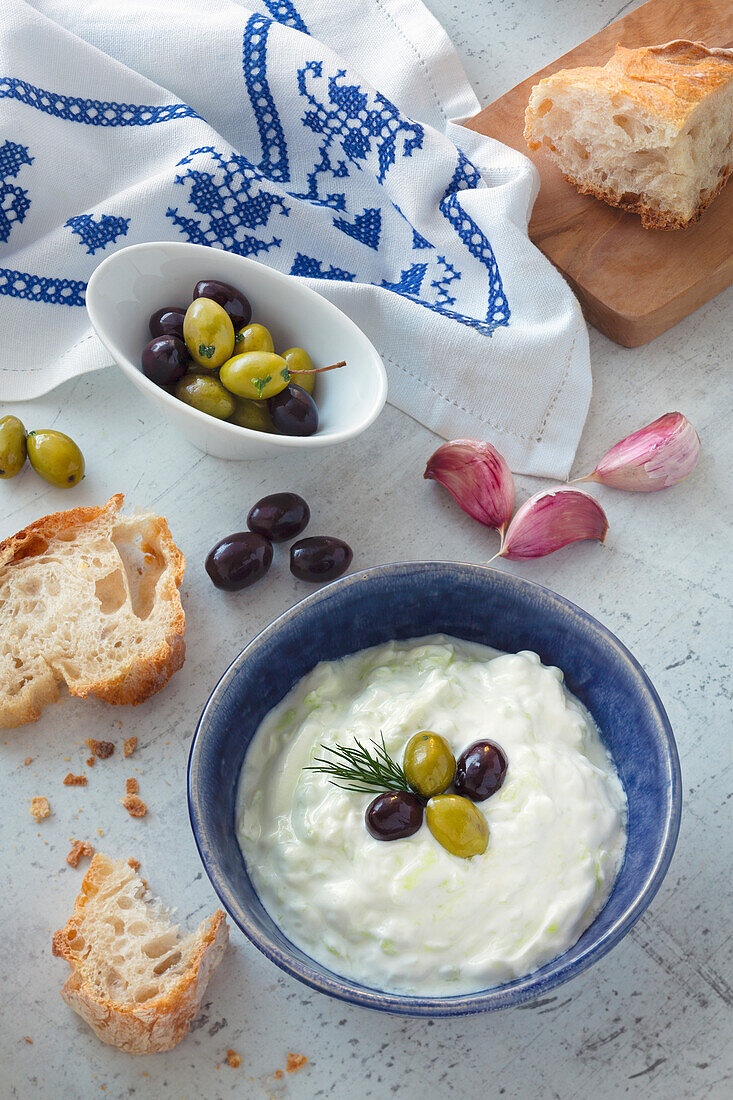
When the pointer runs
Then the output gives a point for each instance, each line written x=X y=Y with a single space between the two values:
x=239 y=560
x=228 y=297
x=279 y=517
x=394 y=815
x=480 y=771
x=165 y=359
x=293 y=411
x=321 y=558
x=167 y=321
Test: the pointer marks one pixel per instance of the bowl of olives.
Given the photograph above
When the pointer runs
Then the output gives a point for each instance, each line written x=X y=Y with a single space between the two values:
x=478 y=604
x=245 y=361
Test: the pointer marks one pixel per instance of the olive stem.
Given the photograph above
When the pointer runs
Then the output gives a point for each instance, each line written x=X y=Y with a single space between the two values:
x=318 y=370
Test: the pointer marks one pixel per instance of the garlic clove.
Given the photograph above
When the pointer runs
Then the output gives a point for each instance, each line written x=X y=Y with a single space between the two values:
x=550 y=520
x=653 y=458
x=478 y=479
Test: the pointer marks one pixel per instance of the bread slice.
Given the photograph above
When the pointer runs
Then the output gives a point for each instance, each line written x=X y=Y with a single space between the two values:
x=88 y=598
x=134 y=979
x=651 y=131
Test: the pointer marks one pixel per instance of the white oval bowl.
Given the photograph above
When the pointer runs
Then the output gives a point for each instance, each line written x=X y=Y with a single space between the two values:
x=131 y=284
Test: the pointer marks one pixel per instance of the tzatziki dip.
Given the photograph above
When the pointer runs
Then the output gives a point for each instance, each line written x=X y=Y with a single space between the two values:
x=409 y=916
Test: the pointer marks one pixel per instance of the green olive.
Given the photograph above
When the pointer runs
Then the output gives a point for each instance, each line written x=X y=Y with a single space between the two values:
x=55 y=457
x=252 y=414
x=12 y=446
x=253 y=338
x=428 y=763
x=458 y=825
x=255 y=374
x=205 y=393
x=298 y=359
x=208 y=332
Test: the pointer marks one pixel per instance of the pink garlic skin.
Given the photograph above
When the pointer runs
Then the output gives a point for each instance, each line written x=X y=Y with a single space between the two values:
x=550 y=520
x=478 y=479
x=654 y=458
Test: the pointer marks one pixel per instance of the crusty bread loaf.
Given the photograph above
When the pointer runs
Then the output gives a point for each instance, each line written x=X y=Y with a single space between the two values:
x=651 y=131
x=134 y=980
x=88 y=598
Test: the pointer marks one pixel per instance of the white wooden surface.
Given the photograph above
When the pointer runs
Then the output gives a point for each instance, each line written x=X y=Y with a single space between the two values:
x=653 y=1018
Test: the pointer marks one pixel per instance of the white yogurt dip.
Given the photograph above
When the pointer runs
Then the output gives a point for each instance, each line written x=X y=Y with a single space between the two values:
x=407 y=916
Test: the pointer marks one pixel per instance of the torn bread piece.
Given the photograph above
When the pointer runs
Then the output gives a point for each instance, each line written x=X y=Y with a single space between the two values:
x=651 y=131
x=89 y=599
x=135 y=980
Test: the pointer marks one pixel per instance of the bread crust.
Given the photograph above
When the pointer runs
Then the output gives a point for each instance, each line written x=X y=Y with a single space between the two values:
x=650 y=217
x=154 y=1025
x=667 y=81
x=145 y=673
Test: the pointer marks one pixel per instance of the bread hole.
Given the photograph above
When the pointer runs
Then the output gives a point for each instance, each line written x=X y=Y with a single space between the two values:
x=158 y=946
x=117 y=924
x=166 y=964
x=110 y=591
x=544 y=107
x=550 y=145
x=143 y=565
x=66 y=536
x=629 y=196
x=138 y=927
x=124 y=902
x=579 y=150
x=146 y=992
x=114 y=978
x=624 y=123
x=77 y=942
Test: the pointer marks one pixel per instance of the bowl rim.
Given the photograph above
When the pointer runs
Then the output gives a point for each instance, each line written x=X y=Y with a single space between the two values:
x=236 y=431
x=493 y=997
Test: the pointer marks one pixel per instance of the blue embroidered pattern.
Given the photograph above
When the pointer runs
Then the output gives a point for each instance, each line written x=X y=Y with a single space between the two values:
x=441 y=285
x=36 y=288
x=274 y=162
x=97 y=235
x=283 y=11
x=91 y=112
x=410 y=280
x=478 y=245
x=365 y=227
x=14 y=201
x=229 y=201
x=354 y=125
x=311 y=269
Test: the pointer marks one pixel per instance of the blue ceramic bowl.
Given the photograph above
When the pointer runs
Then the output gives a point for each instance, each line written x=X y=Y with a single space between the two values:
x=480 y=604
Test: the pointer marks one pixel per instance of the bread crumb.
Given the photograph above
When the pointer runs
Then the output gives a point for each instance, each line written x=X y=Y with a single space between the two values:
x=40 y=807
x=100 y=832
x=71 y=780
x=102 y=749
x=134 y=805
x=28 y=760
x=278 y=1075
x=134 y=863
x=28 y=1039
x=91 y=761
x=294 y=1062
x=234 y=1059
x=130 y=746
x=131 y=786
x=80 y=849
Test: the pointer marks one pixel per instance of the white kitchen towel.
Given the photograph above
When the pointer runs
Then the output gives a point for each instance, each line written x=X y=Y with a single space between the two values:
x=317 y=137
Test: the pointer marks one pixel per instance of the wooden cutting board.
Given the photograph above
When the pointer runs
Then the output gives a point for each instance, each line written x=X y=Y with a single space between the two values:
x=633 y=283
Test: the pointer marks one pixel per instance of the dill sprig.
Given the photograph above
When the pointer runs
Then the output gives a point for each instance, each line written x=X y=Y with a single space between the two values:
x=356 y=768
